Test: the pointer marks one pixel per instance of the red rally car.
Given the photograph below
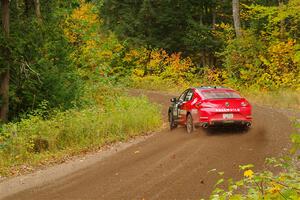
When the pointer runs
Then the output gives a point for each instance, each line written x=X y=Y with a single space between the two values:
x=209 y=106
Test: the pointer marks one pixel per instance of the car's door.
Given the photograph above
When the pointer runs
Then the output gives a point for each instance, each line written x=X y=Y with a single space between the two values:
x=185 y=106
x=176 y=108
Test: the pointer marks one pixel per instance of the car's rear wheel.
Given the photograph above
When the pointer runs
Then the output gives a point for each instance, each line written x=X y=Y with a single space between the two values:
x=246 y=127
x=190 y=127
x=172 y=122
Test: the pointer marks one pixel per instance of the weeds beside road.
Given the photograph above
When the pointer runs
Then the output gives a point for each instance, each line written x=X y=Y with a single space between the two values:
x=38 y=141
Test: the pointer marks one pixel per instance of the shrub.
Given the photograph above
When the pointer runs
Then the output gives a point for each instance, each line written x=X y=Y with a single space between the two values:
x=264 y=185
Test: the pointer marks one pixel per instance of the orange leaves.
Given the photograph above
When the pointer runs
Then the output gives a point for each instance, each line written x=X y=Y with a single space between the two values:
x=159 y=63
x=214 y=76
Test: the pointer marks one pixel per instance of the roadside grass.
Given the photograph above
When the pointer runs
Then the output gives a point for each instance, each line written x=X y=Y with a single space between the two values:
x=157 y=83
x=37 y=141
x=279 y=99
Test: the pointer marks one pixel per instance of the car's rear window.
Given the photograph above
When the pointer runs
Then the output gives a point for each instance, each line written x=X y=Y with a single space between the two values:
x=220 y=95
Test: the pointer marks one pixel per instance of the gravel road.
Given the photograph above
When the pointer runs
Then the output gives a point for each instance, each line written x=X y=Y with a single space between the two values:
x=171 y=164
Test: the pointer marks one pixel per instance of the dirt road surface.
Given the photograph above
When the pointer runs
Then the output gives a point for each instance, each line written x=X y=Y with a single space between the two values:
x=171 y=164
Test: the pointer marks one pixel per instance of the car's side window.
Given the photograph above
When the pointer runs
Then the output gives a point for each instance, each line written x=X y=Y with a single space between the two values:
x=182 y=96
x=189 y=95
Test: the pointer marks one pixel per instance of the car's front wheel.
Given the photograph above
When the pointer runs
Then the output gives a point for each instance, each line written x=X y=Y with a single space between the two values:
x=172 y=122
x=190 y=127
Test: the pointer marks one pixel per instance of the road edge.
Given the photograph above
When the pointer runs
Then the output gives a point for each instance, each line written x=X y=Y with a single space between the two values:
x=12 y=185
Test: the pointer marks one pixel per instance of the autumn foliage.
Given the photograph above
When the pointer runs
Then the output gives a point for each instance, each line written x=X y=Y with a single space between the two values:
x=248 y=61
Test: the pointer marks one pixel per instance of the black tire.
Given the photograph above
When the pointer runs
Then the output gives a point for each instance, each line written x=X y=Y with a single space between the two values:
x=190 y=127
x=246 y=128
x=172 y=123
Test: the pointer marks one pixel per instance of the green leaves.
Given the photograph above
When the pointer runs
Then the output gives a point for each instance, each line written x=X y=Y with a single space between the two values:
x=172 y=25
x=245 y=167
x=39 y=61
x=219 y=182
x=296 y=142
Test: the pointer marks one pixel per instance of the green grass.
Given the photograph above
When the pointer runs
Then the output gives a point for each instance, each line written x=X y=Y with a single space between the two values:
x=33 y=141
x=278 y=99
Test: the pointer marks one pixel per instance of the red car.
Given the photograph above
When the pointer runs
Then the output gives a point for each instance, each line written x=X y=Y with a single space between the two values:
x=209 y=106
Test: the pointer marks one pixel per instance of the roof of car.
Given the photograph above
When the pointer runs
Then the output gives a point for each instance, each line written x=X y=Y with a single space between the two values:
x=212 y=87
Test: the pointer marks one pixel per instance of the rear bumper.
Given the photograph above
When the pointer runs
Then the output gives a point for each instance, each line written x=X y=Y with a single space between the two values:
x=209 y=118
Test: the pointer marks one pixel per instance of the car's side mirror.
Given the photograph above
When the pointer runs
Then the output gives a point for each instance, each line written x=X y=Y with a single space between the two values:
x=173 y=100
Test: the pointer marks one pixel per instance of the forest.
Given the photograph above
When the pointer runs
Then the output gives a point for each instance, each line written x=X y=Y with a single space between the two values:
x=61 y=59
x=50 y=49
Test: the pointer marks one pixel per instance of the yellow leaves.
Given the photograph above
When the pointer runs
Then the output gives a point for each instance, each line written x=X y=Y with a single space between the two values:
x=132 y=55
x=214 y=75
x=282 y=66
x=248 y=173
x=118 y=48
x=105 y=54
x=139 y=72
x=158 y=63
x=90 y=44
x=275 y=188
x=93 y=48
x=282 y=178
x=80 y=21
x=84 y=12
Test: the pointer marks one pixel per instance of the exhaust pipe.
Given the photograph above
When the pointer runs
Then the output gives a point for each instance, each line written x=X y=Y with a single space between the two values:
x=248 y=124
x=205 y=125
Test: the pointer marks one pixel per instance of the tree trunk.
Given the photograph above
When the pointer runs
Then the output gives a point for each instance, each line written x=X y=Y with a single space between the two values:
x=201 y=19
x=4 y=91
x=27 y=7
x=236 y=17
x=37 y=6
x=4 y=76
x=282 y=22
x=5 y=17
x=214 y=16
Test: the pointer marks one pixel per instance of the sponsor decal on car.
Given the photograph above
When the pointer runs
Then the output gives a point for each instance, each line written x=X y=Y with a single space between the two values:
x=228 y=110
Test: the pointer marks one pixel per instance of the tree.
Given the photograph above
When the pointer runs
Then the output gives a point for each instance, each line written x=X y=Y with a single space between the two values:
x=236 y=17
x=174 y=25
x=35 y=64
x=38 y=10
x=4 y=76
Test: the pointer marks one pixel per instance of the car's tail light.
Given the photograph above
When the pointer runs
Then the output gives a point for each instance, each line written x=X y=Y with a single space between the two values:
x=244 y=104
